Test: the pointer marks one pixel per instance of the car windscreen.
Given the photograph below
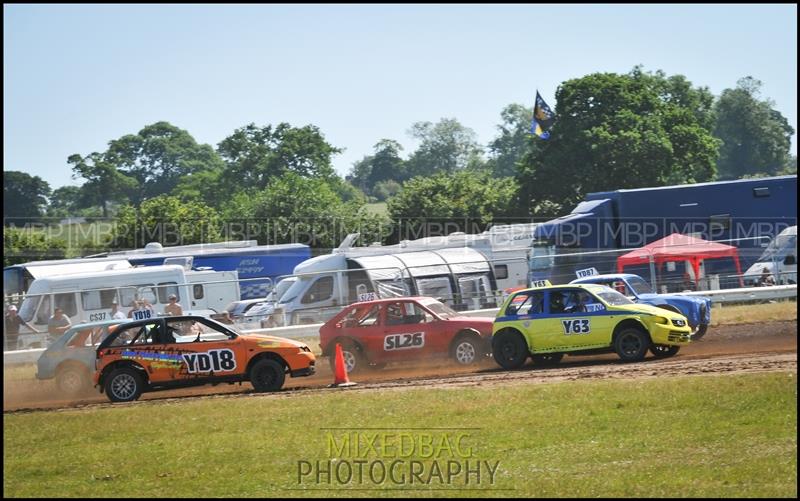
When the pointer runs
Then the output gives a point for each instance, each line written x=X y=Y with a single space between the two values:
x=442 y=310
x=613 y=298
x=640 y=286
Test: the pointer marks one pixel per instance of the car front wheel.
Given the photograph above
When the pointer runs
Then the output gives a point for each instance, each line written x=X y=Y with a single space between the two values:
x=72 y=381
x=631 y=345
x=267 y=375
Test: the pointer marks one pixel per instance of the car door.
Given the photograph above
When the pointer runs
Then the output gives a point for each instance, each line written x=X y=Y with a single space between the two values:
x=405 y=331
x=204 y=349
x=527 y=309
x=362 y=324
x=577 y=320
x=144 y=344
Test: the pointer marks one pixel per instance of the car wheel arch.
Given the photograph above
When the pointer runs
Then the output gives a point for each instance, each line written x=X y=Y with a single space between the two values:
x=330 y=350
x=269 y=355
x=629 y=323
x=120 y=364
x=467 y=332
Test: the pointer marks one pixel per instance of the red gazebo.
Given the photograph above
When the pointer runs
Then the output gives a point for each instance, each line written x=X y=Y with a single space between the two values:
x=677 y=247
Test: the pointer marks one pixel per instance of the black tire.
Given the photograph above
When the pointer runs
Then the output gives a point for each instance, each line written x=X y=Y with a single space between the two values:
x=267 y=375
x=632 y=344
x=700 y=332
x=72 y=380
x=547 y=359
x=466 y=349
x=664 y=351
x=124 y=385
x=509 y=349
x=354 y=358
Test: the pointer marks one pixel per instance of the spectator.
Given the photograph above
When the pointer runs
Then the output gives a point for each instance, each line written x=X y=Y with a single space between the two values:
x=13 y=321
x=174 y=308
x=766 y=278
x=143 y=311
x=116 y=313
x=58 y=324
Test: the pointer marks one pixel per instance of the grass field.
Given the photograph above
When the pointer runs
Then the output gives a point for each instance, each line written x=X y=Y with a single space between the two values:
x=689 y=436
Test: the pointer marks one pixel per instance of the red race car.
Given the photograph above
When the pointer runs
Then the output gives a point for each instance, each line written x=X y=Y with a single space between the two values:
x=373 y=333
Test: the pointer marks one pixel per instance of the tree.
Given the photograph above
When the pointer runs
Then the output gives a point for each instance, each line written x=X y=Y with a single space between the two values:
x=256 y=155
x=158 y=157
x=384 y=165
x=293 y=208
x=22 y=245
x=446 y=146
x=620 y=131
x=444 y=203
x=514 y=141
x=756 y=138
x=167 y=220
x=104 y=183
x=65 y=202
x=24 y=197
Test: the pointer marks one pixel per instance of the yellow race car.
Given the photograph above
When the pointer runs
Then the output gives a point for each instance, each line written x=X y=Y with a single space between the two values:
x=547 y=322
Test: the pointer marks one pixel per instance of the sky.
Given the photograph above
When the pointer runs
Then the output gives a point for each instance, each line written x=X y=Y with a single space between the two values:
x=78 y=76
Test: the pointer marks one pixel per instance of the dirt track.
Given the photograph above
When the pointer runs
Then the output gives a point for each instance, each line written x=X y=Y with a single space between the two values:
x=729 y=349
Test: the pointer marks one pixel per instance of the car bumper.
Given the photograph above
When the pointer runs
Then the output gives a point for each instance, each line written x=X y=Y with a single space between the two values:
x=308 y=371
x=670 y=335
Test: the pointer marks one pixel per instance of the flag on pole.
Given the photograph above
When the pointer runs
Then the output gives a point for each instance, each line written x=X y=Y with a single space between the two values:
x=543 y=118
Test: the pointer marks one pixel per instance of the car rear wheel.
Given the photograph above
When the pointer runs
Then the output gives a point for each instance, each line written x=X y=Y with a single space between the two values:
x=631 y=345
x=354 y=359
x=547 y=359
x=72 y=381
x=466 y=350
x=509 y=349
x=124 y=385
x=664 y=351
x=267 y=375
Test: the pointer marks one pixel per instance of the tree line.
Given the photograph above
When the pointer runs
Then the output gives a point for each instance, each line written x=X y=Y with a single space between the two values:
x=612 y=131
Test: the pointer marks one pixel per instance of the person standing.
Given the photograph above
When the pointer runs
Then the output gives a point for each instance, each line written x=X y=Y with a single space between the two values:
x=58 y=324
x=13 y=321
x=174 y=308
x=116 y=313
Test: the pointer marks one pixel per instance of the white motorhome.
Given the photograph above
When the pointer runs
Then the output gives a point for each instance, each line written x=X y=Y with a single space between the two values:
x=88 y=297
x=779 y=259
x=464 y=271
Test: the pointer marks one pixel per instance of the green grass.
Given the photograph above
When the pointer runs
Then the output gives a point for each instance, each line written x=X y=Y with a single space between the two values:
x=679 y=437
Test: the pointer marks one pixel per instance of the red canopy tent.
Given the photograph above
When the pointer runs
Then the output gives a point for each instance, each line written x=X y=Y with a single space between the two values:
x=677 y=247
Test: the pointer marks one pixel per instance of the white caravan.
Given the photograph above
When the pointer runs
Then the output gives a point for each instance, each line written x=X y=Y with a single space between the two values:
x=88 y=297
x=464 y=271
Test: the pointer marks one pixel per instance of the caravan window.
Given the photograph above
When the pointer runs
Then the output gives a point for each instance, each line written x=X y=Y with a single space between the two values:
x=128 y=294
x=98 y=300
x=67 y=303
x=438 y=287
x=320 y=291
x=164 y=291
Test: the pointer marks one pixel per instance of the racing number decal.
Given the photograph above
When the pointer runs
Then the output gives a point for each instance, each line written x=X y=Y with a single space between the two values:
x=94 y=317
x=212 y=360
x=404 y=341
x=580 y=326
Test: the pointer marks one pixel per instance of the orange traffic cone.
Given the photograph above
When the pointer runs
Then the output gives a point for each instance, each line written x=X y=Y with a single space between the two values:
x=340 y=373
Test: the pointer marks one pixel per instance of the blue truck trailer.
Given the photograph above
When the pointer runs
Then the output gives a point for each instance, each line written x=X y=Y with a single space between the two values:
x=745 y=213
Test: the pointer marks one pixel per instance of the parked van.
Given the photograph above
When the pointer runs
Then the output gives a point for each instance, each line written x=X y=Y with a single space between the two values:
x=88 y=297
x=779 y=259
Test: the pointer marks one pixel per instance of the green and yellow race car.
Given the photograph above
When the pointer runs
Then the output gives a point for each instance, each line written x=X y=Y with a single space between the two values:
x=547 y=322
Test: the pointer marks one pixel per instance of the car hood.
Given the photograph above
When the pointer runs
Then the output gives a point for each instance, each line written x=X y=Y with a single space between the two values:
x=648 y=310
x=669 y=297
x=480 y=323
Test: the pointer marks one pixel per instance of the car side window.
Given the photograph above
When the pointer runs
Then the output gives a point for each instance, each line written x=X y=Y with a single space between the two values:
x=527 y=303
x=137 y=335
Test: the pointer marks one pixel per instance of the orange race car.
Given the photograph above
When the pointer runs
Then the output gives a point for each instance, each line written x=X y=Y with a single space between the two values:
x=169 y=352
